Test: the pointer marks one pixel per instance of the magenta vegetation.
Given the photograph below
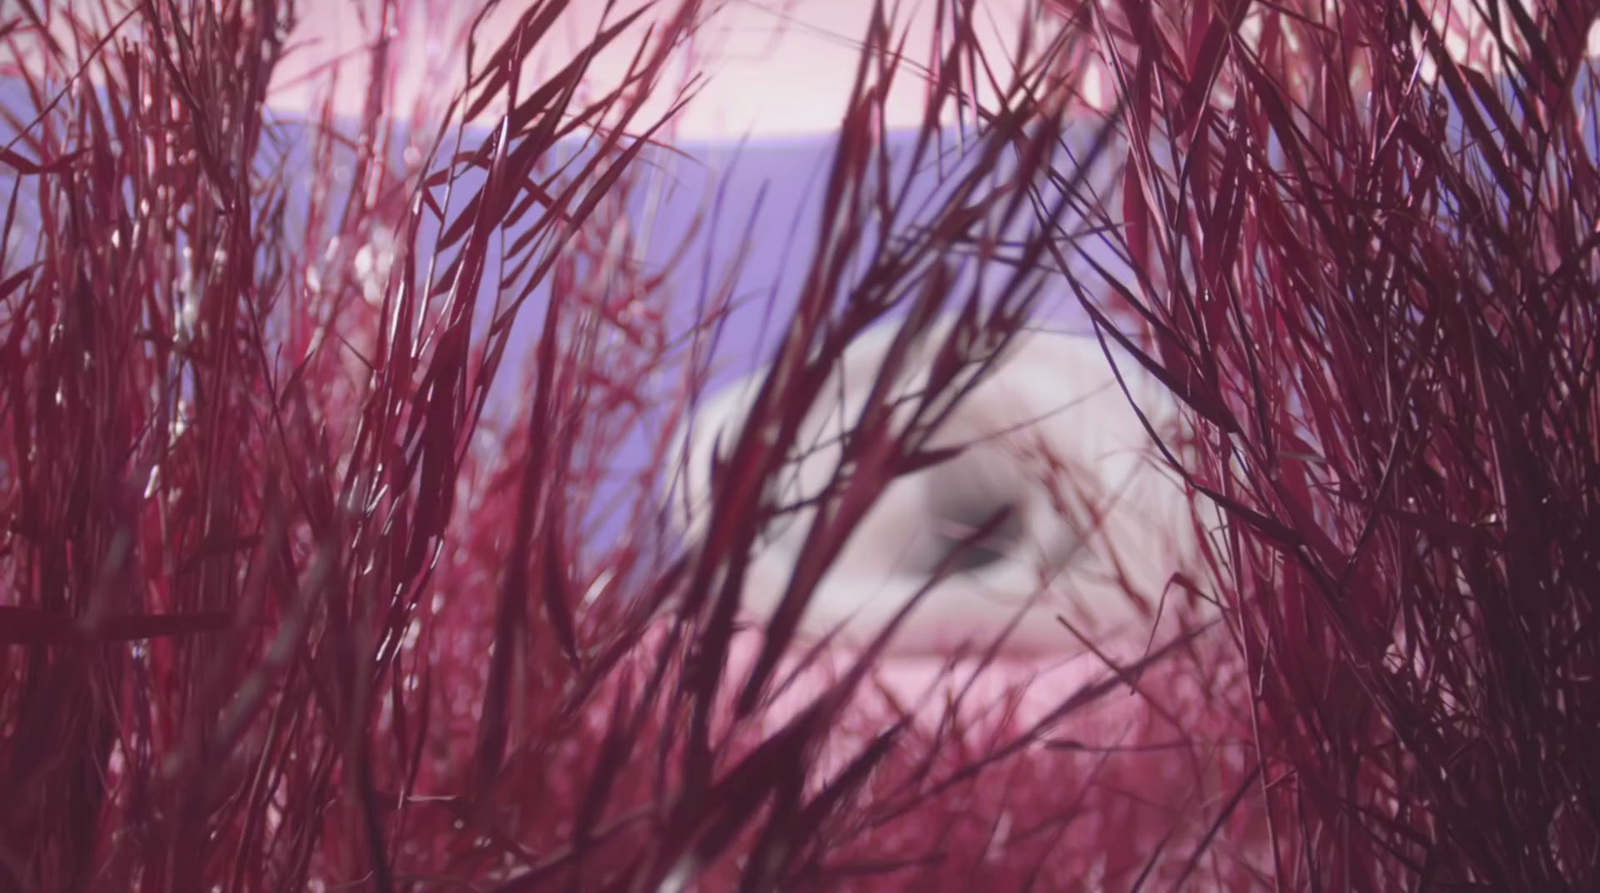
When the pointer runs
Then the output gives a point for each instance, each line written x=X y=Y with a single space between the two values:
x=285 y=607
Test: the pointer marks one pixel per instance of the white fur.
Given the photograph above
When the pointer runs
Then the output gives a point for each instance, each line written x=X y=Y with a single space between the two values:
x=1050 y=394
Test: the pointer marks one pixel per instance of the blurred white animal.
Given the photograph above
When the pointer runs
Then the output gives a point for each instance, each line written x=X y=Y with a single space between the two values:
x=1097 y=525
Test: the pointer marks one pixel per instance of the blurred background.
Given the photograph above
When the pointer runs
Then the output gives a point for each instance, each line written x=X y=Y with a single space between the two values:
x=731 y=198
